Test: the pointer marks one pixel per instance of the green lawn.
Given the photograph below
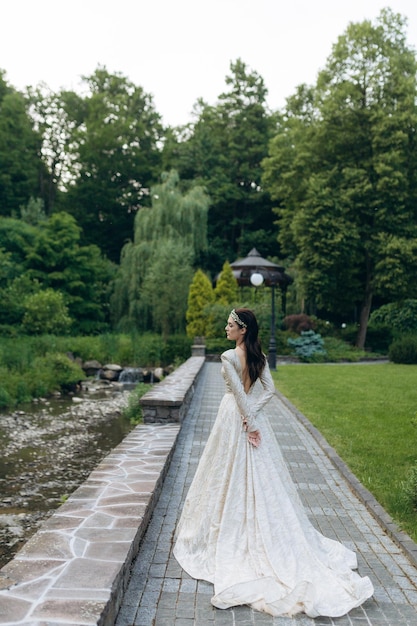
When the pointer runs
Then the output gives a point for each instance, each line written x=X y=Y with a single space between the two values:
x=368 y=413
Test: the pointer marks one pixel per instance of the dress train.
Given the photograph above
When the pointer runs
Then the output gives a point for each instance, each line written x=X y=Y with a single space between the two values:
x=243 y=526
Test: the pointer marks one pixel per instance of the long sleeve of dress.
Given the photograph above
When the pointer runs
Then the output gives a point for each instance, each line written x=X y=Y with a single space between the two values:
x=249 y=404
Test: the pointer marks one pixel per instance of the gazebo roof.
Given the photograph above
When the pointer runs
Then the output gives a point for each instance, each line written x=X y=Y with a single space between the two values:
x=254 y=260
x=273 y=274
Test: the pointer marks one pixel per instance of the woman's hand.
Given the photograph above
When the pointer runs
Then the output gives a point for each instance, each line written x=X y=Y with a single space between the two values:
x=254 y=438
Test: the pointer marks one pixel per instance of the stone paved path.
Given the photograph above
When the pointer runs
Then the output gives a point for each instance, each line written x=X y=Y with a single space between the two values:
x=161 y=594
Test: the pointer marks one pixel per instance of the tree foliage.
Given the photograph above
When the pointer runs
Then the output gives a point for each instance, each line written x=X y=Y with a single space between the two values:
x=151 y=286
x=114 y=136
x=56 y=117
x=223 y=150
x=50 y=256
x=21 y=165
x=58 y=261
x=226 y=289
x=199 y=296
x=401 y=316
x=46 y=313
x=343 y=169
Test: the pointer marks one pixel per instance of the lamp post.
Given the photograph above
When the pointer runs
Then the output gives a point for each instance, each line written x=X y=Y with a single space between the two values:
x=254 y=270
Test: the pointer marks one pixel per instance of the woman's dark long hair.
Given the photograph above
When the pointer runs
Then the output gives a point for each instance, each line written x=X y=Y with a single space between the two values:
x=254 y=356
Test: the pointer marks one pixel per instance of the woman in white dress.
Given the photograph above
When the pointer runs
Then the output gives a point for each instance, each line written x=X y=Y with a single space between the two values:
x=243 y=527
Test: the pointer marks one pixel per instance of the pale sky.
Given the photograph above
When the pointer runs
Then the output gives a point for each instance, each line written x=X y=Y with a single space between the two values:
x=179 y=50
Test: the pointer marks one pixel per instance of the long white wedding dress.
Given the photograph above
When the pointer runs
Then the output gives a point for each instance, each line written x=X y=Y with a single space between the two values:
x=243 y=527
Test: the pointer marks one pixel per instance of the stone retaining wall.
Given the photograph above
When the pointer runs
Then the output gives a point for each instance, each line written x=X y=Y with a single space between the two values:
x=75 y=569
x=168 y=401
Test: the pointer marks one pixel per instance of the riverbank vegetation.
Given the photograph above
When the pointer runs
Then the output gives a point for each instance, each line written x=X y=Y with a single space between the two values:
x=368 y=413
x=33 y=367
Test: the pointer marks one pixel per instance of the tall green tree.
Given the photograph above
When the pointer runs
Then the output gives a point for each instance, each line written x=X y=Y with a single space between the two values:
x=56 y=117
x=17 y=238
x=21 y=166
x=151 y=286
x=343 y=170
x=223 y=150
x=80 y=273
x=117 y=157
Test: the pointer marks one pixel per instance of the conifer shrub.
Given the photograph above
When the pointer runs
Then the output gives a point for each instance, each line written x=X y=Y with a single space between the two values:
x=309 y=346
x=404 y=350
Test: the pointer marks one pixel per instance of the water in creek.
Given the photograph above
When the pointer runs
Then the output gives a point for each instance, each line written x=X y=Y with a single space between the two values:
x=46 y=451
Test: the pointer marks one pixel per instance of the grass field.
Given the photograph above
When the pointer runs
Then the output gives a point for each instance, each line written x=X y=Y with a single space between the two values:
x=368 y=413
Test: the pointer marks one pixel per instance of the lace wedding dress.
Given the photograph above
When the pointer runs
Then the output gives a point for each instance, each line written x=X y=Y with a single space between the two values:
x=243 y=527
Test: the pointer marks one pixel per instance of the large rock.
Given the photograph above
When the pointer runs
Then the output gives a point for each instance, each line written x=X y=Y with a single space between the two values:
x=158 y=374
x=91 y=368
x=111 y=371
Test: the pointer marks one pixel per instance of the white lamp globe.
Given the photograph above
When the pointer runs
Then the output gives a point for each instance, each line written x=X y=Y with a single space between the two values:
x=256 y=279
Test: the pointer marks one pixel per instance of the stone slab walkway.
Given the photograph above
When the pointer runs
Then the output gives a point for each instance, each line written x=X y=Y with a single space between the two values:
x=74 y=569
x=161 y=594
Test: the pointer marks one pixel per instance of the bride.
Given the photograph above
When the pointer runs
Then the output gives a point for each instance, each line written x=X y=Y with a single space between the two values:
x=243 y=527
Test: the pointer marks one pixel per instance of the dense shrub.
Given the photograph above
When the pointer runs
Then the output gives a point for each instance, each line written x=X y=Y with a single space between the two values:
x=309 y=346
x=299 y=323
x=5 y=398
x=42 y=376
x=338 y=350
x=400 y=316
x=404 y=350
x=349 y=333
x=57 y=372
x=323 y=327
x=46 y=312
x=176 y=348
x=378 y=336
x=217 y=345
x=281 y=340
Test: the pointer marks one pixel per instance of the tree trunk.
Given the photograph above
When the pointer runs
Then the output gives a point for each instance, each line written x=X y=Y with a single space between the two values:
x=364 y=312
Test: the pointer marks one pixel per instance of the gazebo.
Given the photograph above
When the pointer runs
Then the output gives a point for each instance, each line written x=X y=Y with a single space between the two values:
x=255 y=270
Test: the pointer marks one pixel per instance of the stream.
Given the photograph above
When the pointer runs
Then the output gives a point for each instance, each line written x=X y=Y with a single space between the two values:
x=46 y=451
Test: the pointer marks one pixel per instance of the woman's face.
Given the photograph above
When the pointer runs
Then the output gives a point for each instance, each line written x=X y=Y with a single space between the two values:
x=233 y=330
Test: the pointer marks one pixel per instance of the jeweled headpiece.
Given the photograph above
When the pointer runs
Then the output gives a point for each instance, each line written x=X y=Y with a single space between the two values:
x=237 y=319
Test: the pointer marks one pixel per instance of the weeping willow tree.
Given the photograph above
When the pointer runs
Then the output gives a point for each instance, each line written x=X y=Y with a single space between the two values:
x=151 y=288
